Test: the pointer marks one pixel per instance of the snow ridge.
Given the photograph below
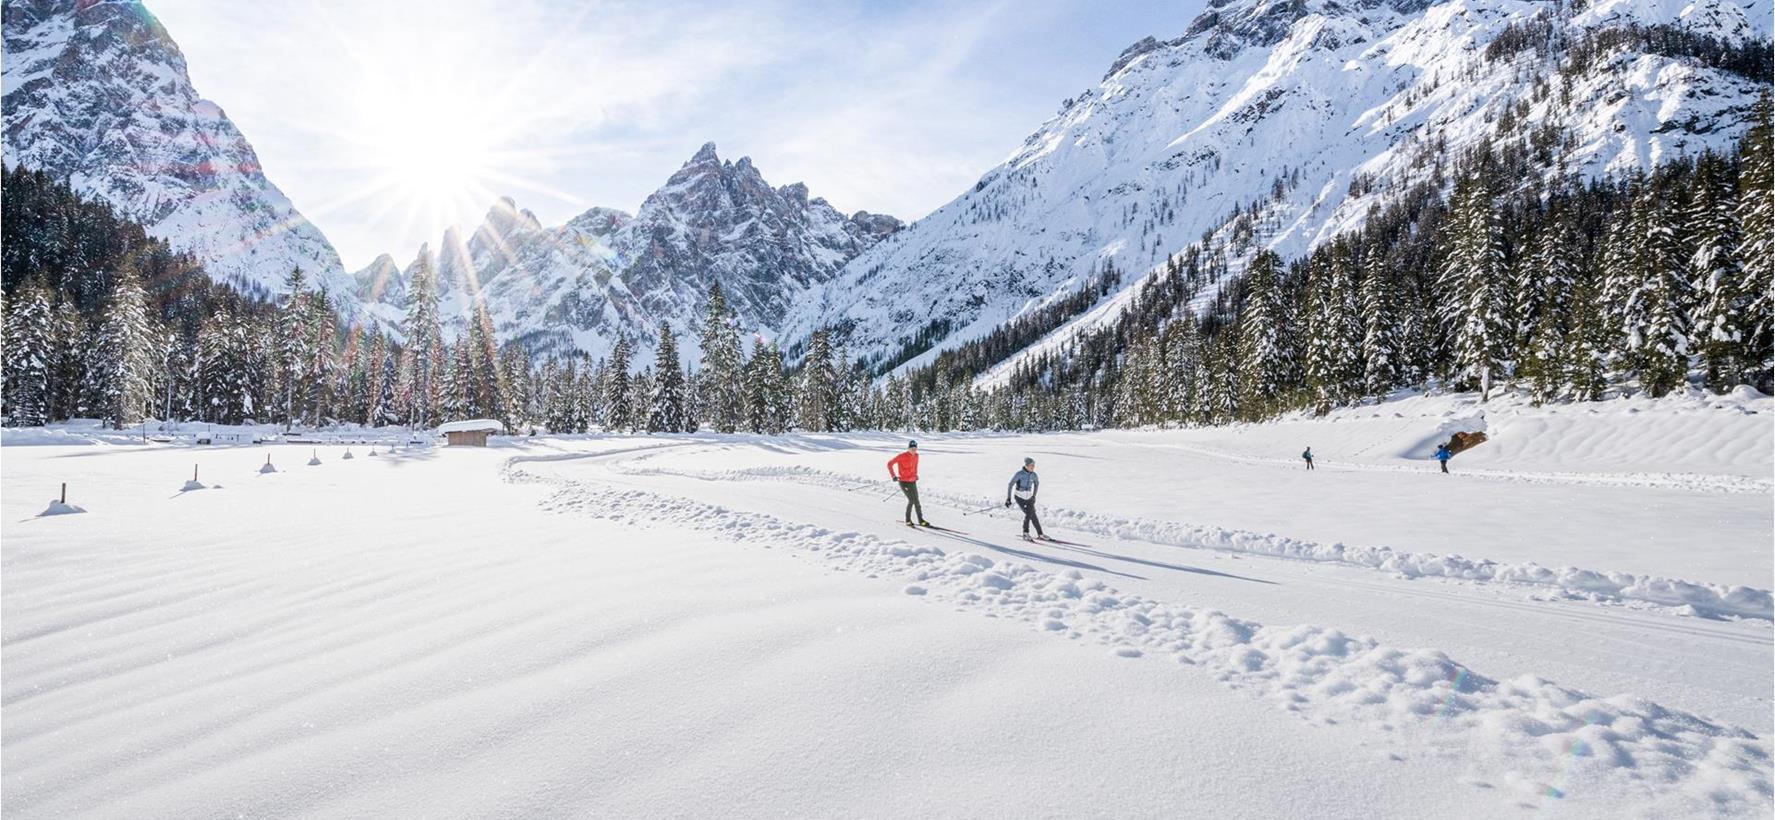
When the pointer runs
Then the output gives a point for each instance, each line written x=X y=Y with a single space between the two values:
x=1685 y=597
x=1548 y=741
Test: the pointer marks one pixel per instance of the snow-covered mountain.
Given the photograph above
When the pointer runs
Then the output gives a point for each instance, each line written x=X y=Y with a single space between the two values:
x=1318 y=109
x=96 y=93
x=603 y=273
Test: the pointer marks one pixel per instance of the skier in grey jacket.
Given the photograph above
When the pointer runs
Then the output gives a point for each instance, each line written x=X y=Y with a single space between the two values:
x=1023 y=487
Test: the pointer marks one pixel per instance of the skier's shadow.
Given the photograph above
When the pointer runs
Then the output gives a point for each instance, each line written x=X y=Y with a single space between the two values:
x=1035 y=556
x=1160 y=564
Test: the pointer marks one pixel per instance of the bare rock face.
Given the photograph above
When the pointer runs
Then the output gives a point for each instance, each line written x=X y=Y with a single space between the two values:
x=98 y=94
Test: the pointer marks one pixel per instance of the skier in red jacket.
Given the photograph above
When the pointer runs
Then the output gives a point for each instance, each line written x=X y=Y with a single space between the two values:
x=904 y=469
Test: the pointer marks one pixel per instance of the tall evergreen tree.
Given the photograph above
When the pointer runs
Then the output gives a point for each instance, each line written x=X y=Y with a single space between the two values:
x=1720 y=330
x=121 y=362
x=1473 y=279
x=30 y=355
x=1756 y=247
x=1261 y=362
x=667 y=411
x=719 y=381
x=618 y=403
x=1657 y=323
x=819 y=385
x=1380 y=329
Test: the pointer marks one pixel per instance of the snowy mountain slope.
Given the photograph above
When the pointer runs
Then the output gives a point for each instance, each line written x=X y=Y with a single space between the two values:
x=1321 y=109
x=578 y=285
x=97 y=93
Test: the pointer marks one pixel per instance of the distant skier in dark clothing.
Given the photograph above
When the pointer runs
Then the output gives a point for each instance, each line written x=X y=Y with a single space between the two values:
x=1023 y=487
x=904 y=469
x=1308 y=457
x=1443 y=455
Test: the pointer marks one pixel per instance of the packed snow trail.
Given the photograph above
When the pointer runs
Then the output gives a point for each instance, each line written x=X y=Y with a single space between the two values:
x=1719 y=668
x=1535 y=735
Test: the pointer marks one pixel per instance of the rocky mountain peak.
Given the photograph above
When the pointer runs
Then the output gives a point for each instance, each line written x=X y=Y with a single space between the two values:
x=97 y=93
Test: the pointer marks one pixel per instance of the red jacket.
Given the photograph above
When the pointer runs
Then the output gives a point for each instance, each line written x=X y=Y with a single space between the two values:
x=907 y=463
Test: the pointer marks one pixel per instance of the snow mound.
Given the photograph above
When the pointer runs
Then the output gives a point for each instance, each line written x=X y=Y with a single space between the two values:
x=57 y=507
x=192 y=485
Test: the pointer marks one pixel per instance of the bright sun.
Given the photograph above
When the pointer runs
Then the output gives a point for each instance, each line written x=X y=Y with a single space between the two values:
x=429 y=147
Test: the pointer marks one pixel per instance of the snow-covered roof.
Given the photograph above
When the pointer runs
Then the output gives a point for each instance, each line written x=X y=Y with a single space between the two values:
x=491 y=425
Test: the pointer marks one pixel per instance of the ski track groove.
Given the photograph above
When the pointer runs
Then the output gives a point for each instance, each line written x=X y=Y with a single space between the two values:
x=1669 y=594
x=1530 y=728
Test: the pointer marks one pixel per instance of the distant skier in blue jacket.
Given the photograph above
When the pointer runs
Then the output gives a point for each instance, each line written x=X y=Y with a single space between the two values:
x=1023 y=487
x=1307 y=456
x=1443 y=455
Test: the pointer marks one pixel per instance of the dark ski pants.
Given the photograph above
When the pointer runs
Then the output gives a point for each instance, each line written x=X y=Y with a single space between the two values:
x=910 y=488
x=1309 y=463
x=1028 y=506
x=1445 y=465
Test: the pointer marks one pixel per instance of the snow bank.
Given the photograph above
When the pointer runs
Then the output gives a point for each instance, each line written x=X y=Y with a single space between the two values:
x=1529 y=728
x=1691 y=440
x=1688 y=597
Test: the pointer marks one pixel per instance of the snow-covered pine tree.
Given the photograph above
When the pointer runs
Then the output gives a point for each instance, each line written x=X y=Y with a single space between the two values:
x=719 y=380
x=1657 y=321
x=1584 y=359
x=618 y=403
x=1473 y=278
x=1719 y=333
x=666 y=410
x=291 y=355
x=819 y=387
x=1261 y=357
x=1334 y=340
x=30 y=355
x=73 y=337
x=641 y=400
x=515 y=398
x=375 y=363
x=121 y=359
x=424 y=361
x=1380 y=327
x=485 y=386
x=780 y=396
x=1550 y=272
x=1756 y=245
x=321 y=329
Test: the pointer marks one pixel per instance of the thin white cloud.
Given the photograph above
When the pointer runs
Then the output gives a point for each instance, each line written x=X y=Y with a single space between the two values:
x=889 y=108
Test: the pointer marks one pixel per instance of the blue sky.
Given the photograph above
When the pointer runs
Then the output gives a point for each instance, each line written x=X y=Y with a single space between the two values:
x=386 y=122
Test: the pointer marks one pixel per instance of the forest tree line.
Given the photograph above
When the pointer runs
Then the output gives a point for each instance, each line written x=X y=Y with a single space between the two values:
x=1569 y=290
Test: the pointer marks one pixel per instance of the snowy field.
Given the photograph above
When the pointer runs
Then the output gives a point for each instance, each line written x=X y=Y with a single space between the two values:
x=1575 y=623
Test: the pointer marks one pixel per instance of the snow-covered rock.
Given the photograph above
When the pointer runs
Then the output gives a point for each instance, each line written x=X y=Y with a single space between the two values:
x=1317 y=110
x=97 y=93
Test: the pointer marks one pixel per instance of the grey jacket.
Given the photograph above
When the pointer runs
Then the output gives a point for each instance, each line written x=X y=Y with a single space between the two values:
x=1024 y=483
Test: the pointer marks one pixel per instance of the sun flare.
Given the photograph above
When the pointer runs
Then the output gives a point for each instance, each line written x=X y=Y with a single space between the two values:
x=430 y=146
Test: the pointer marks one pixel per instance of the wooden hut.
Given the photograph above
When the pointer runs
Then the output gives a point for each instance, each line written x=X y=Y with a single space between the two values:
x=471 y=433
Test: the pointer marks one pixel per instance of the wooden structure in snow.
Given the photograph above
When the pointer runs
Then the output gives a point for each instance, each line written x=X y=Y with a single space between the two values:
x=471 y=433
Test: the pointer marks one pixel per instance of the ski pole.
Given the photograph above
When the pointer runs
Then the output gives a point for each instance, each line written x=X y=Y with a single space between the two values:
x=982 y=509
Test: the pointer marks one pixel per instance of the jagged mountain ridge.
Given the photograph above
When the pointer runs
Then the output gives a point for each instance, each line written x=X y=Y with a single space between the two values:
x=97 y=93
x=1319 y=110
x=577 y=286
